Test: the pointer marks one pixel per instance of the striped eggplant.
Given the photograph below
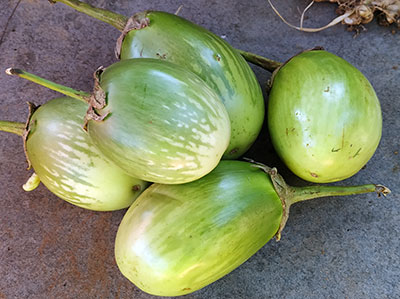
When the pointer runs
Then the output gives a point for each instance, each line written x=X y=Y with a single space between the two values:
x=156 y=120
x=66 y=161
x=161 y=35
x=324 y=117
x=176 y=239
x=170 y=37
x=165 y=124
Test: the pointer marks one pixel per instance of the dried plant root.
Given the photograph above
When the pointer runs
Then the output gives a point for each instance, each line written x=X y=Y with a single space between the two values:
x=388 y=11
x=301 y=28
x=355 y=12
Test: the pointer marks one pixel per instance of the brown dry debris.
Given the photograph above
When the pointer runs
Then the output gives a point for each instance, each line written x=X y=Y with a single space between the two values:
x=354 y=13
x=363 y=11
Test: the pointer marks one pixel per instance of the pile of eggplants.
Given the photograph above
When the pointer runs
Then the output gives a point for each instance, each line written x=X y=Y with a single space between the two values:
x=180 y=100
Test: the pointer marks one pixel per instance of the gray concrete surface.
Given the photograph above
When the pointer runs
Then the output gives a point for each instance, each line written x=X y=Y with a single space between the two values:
x=331 y=248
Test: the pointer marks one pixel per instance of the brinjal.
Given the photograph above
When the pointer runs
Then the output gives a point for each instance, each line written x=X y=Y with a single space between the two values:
x=66 y=161
x=176 y=239
x=165 y=36
x=155 y=120
x=324 y=117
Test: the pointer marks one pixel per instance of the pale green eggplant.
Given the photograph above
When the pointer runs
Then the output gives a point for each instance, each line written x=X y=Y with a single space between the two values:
x=154 y=119
x=165 y=36
x=176 y=239
x=66 y=161
x=324 y=117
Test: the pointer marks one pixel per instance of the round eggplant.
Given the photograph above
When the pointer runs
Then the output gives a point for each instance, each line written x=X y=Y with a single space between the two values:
x=169 y=37
x=154 y=119
x=324 y=117
x=69 y=165
x=161 y=123
x=165 y=36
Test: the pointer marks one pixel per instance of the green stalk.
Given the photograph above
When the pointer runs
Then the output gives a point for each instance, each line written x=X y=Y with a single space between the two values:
x=114 y=19
x=119 y=21
x=297 y=194
x=267 y=64
x=79 y=95
x=32 y=183
x=290 y=195
x=12 y=127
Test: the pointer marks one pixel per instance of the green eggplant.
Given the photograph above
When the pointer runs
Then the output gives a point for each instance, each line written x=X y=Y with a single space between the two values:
x=157 y=121
x=172 y=38
x=161 y=35
x=66 y=161
x=176 y=239
x=324 y=117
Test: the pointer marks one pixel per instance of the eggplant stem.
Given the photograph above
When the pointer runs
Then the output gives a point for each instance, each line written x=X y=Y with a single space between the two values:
x=12 y=127
x=267 y=64
x=79 y=95
x=119 y=21
x=114 y=19
x=297 y=194
x=32 y=183
x=290 y=195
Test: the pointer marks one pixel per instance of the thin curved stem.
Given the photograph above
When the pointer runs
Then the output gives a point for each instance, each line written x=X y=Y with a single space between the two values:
x=119 y=21
x=79 y=95
x=12 y=127
x=114 y=19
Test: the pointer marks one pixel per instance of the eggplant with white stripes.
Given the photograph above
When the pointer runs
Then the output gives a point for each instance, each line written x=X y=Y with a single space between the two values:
x=165 y=36
x=66 y=161
x=154 y=119
x=176 y=239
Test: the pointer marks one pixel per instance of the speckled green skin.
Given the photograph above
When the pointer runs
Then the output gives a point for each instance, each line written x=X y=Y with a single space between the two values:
x=68 y=163
x=165 y=125
x=176 y=239
x=324 y=117
x=172 y=38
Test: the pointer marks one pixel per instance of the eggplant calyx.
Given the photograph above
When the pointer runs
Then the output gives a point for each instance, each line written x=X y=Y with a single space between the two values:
x=97 y=100
x=32 y=109
x=281 y=188
x=136 y=22
x=20 y=129
x=290 y=195
x=283 y=192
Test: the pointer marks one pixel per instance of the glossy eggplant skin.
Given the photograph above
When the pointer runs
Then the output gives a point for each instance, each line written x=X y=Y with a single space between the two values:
x=324 y=117
x=172 y=38
x=164 y=124
x=68 y=163
x=176 y=239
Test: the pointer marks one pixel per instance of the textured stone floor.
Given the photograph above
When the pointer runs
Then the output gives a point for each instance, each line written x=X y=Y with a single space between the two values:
x=330 y=248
